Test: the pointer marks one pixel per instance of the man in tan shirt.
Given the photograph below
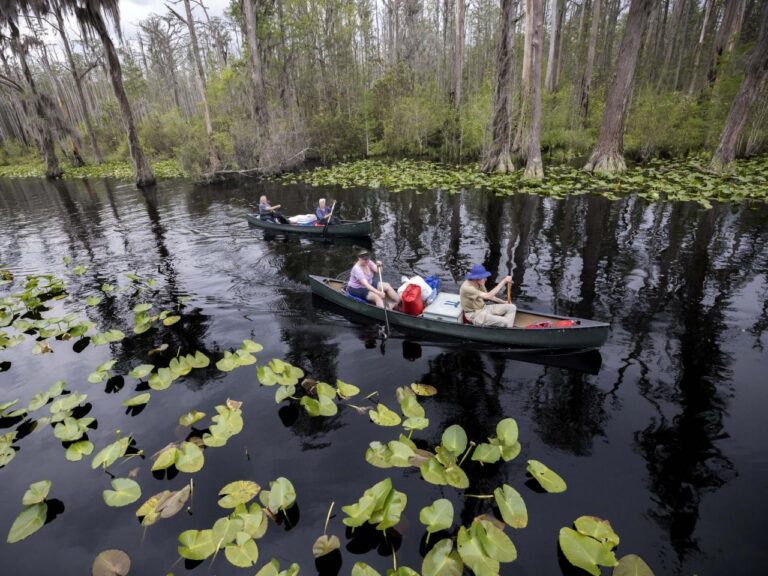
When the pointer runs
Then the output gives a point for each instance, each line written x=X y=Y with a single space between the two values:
x=473 y=296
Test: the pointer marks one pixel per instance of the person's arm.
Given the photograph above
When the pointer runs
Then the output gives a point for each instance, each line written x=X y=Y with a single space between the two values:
x=491 y=295
x=273 y=208
x=374 y=266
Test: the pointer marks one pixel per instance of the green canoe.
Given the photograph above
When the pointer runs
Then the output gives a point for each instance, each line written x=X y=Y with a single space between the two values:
x=347 y=228
x=582 y=335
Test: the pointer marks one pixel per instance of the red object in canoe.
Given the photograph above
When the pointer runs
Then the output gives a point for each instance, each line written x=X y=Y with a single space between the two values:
x=412 y=301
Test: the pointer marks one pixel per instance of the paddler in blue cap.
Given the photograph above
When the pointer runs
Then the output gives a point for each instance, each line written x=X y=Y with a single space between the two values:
x=474 y=296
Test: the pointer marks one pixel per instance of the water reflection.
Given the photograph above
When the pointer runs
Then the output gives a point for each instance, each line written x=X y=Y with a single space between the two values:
x=684 y=289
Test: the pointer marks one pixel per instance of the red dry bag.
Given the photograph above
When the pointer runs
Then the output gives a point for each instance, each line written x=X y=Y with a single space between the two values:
x=412 y=301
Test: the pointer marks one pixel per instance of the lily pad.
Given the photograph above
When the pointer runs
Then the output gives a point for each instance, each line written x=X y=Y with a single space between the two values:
x=36 y=493
x=383 y=416
x=189 y=458
x=512 y=506
x=325 y=544
x=346 y=391
x=138 y=400
x=110 y=453
x=141 y=371
x=423 y=389
x=124 y=491
x=442 y=560
x=280 y=496
x=196 y=544
x=585 y=552
x=111 y=563
x=238 y=492
x=31 y=519
x=243 y=553
x=191 y=417
x=548 y=479
x=437 y=516
x=454 y=440
x=632 y=565
x=78 y=450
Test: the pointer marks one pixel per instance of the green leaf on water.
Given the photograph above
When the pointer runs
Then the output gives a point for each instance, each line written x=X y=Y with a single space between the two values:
x=191 y=417
x=324 y=545
x=280 y=496
x=141 y=371
x=585 y=552
x=93 y=300
x=383 y=416
x=423 y=389
x=124 y=491
x=632 y=565
x=442 y=560
x=437 y=516
x=111 y=563
x=189 y=458
x=196 y=544
x=454 y=440
x=243 y=553
x=238 y=492
x=599 y=529
x=165 y=458
x=78 y=450
x=36 y=493
x=512 y=506
x=171 y=320
x=362 y=569
x=486 y=453
x=31 y=519
x=110 y=453
x=346 y=391
x=548 y=479
x=138 y=400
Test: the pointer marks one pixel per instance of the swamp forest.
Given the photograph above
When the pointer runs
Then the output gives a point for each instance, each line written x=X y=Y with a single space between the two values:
x=175 y=396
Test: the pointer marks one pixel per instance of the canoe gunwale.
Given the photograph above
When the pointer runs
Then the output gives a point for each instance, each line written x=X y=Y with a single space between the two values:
x=349 y=228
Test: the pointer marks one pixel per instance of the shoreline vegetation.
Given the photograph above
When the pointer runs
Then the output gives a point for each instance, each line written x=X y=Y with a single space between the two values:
x=688 y=179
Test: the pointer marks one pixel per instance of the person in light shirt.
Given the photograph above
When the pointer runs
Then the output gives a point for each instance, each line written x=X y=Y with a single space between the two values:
x=364 y=284
x=473 y=296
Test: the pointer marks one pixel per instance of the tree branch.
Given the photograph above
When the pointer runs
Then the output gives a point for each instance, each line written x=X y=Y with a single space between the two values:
x=10 y=83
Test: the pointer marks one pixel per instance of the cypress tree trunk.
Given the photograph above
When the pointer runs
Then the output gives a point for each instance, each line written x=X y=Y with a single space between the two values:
x=143 y=175
x=553 y=17
x=699 y=45
x=254 y=59
x=78 y=86
x=726 y=35
x=498 y=158
x=586 y=79
x=213 y=152
x=534 y=167
x=755 y=75
x=47 y=148
x=458 y=54
x=608 y=153
x=520 y=144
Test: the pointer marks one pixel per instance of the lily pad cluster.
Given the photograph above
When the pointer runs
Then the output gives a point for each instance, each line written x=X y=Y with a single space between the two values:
x=687 y=179
x=164 y=504
x=592 y=545
x=179 y=366
x=243 y=356
x=35 y=511
x=380 y=505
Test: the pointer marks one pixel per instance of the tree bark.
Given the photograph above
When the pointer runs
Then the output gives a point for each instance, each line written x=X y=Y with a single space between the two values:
x=549 y=81
x=586 y=79
x=254 y=58
x=608 y=153
x=700 y=45
x=534 y=167
x=755 y=75
x=458 y=54
x=143 y=174
x=498 y=158
x=520 y=144
x=47 y=148
x=726 y=35
x=213 y=152
x=78 y=86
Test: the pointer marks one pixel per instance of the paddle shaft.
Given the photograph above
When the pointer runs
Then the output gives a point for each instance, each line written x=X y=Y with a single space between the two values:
x=329 y=219
x=381 y=283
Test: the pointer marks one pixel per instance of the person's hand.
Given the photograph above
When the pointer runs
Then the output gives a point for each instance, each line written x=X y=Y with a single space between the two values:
x=383 y=294
x=276 y=207
x=378 y=263
x=507 y=280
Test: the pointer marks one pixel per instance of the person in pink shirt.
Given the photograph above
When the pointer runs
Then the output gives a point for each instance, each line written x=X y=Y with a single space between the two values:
x=363 y=282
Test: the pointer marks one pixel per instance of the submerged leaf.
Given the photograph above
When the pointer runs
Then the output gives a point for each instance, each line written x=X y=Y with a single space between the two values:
x=111 y=563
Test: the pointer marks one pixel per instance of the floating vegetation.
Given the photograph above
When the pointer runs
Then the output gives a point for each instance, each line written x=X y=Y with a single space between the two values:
x=590 y=545
x=111 y=563
x=163 y=169
x=32 y=518
x=546 y=478
x=687 y=179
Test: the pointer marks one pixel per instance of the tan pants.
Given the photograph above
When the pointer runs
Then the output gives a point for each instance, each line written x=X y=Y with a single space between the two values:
x=502 y=315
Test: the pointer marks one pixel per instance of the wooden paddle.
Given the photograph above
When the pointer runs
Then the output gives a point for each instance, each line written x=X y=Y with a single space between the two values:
x=386 y=318
x=329 y=219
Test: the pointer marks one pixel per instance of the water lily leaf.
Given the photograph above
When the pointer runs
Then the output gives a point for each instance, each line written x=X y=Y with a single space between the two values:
x=383 y=416
x=325 y=544
x=423 y=389
x=107 y=288
x=138 y=400
x=143 y=307
x=442 y=560
x=495 y=542
x=171 y=320
x=510 y=452
x=196 y=544
x=68 y=430
x=111 y=563
x=346 y=391
x=632 y=565
x=362 y=569
x=456 y=477
x=165 y=458
x=271 y=568
x=93 y=300
x=36 y=493
x=400 y=453
x=124 y=491
x=264 y=373
x=378 y=455
x=225 y=530
x=79 y=270
x=149 y=510
x=28 y=522
x=599 y=529
x=411 y=408
x=507 y=432
x=243 y=553
x=362 y=511
x=326 y=406
x=512 y=506
x=325 y=390
x=585 y=552
x=189 y=458
x=141 y=371
x=77 y=451
x=434 y=472
x=548 y=479
x=415 y=423
x=472 y=554
x=251 y=346
x=486 y=453
x=454 y=440
x=388 y=515
x=238 y=492
x=174 y=502
x=281 y=495
x=254 y=520
x=110 y=453
x=285 y=392
x=101 y=338
x=67 y=403
x=161 y=380
x=162 y=348
x=437 y=516
x=198 y=360
x=191 y=417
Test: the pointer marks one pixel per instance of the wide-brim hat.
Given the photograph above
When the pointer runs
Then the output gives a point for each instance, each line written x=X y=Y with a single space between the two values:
x=477 y=272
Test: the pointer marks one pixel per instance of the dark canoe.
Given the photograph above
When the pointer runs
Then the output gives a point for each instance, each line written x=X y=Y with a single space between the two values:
x=586 y=334
x=347 y=228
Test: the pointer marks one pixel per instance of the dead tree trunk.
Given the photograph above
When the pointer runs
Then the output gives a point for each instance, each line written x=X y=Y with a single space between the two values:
x=699 y=45
x=213 y=152
x=254 y=59
x=47 y=148
x=143 y=174
x=608 y=153
x=458 y=54
x=726 y=35
x=498 y=158
x=586 y=79
x=534 y=167
x=755 y=75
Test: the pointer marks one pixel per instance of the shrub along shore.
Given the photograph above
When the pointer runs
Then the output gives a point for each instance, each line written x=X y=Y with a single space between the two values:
x=684 y=179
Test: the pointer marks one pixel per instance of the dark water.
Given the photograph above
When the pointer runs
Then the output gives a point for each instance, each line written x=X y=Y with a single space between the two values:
x=667 y=440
